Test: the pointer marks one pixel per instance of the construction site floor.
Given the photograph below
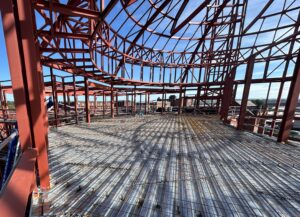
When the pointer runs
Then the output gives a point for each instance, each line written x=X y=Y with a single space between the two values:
x=169 y=165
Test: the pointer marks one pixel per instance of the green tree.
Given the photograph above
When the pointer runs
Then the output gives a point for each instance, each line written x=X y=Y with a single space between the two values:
x=258 y=102
x=172 y=98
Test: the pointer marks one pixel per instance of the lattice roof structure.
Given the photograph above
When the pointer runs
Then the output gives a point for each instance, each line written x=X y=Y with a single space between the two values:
x=166 y=43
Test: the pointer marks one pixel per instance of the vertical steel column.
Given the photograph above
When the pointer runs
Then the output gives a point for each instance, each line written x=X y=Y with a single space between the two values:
x=134 y=100
x=148 y=102
x=23 y=57
x=180 y=99
x=198 y=97
x=140 y=102
x=227 y=96
x=95 y=104
x=75 y=98
x=117 y=106
x=64 y=95
x=68 y=98
x=162 y=103
x=2 y=103
x=248 y=77
x=103 y=103
x=291 y=104
x=87 y=100
x=278 y=100
x=145 y=103
x=184 y=98
x=3 y=108
x=54 y=95
x=5 y=104
x=126 y=102
x=112 y=102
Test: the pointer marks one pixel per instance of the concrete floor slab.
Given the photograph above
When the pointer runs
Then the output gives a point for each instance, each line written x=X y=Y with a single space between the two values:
x=170 y=166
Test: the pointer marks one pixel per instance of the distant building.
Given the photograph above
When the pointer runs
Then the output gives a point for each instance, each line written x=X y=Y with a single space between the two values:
x=167 y=105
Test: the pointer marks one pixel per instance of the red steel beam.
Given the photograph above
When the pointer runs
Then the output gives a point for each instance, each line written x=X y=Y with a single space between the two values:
x=13 y=201
x=64 y=50
x=148 y=102
x=104 y=13
x=248 y=77
x=141 y=32
x=112 y=102
x=95 y=103
x=87 y=100
x=175 y=29
x=54 y=95
x=180 y=100
x=64 y=96
x=103 y=103
x=117 y=105
x=75 y=98
x=205 y=33
x=227 y=96
x=263 y=10
x=65 y=60
x=129 y=2
x=134 y=100
x=68 y=35
x=291 y=104
x=126 y=102
x=27 y=83
x=68 y=9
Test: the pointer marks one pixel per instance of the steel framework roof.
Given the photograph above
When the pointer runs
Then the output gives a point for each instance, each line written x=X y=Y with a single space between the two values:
x=165 y=42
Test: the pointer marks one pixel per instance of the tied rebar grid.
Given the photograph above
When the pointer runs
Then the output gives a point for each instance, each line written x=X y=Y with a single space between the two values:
x=169 y=166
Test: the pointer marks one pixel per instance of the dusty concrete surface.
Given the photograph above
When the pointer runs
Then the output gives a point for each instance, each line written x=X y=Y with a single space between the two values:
x=170 y=166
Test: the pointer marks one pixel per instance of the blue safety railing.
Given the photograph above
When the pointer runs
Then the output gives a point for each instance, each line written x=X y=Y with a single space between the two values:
x=12 y=152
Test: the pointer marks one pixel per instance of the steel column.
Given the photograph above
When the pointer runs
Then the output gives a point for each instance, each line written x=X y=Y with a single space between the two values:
x=248 y=77
x=64 y=96
x=68 y=98
x=23 y=57
x=162 y=103
x=291 y=104
x=117 y=106
x=134 y=100
x=145 y=103
x=75 y=98
x=126 y=102
x=148 y=102
x=140 y=102
x=198 y=97
x=180 y=99
x=54 y=95
x=227 y=96
x=87 y=100
x=278 y=100
x=131 y=102
x=103 y=103
x=2 y=103
x=112 y=102
x=95 y=103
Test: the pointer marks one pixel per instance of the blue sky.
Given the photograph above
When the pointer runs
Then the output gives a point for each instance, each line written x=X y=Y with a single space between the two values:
x=257 y=90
